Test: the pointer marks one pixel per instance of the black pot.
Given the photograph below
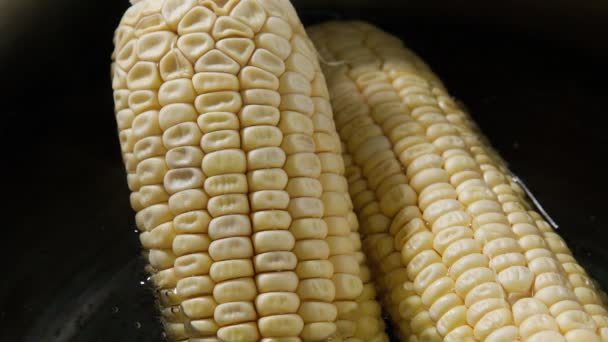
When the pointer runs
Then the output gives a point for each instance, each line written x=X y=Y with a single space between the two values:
x=531 y=74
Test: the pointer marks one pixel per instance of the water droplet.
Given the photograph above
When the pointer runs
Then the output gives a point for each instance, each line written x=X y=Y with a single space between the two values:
x=142 y=283
x=115 y=310
x=137 y=325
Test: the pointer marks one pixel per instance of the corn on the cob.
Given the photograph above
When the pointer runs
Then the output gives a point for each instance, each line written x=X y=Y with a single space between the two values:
x=460 y=256
x=236 y=174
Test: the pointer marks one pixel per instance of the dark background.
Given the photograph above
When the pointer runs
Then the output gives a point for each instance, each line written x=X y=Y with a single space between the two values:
x=533 y=76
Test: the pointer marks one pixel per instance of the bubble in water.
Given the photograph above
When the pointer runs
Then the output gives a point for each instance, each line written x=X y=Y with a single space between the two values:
x=137 y=325
x=142 y=283
x=115 y=310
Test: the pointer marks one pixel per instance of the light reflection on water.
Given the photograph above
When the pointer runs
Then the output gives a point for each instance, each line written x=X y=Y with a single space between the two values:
x=100 y=306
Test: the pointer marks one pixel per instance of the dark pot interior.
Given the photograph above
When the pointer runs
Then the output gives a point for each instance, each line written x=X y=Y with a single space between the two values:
x=533 y=77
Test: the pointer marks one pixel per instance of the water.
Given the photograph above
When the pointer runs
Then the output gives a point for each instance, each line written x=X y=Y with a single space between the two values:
x=112 y=306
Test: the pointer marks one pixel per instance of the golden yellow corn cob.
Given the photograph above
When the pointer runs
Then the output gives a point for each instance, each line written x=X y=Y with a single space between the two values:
x=459 y=254
x=236 y=174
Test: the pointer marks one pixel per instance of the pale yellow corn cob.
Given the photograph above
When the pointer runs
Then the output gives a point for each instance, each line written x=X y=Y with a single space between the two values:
x=380 y=246
x=367 y=319
x=236 y=174
x=475 y=263
x=509 y=195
